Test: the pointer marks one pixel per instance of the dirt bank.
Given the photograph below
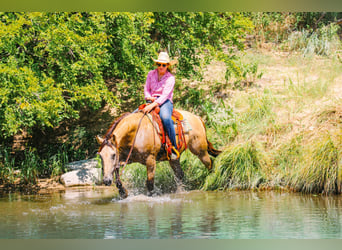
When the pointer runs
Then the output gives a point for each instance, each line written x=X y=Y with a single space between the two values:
x=46 y=185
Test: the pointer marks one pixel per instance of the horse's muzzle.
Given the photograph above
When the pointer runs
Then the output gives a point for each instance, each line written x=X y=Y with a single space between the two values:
x=107 y=181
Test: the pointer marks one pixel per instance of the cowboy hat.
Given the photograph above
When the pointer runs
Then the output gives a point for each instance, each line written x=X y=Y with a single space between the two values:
x=163 y=57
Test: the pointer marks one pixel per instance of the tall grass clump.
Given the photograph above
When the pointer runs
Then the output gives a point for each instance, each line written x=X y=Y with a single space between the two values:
x=322 y=168
x=220 y=118
x=30 y=166
x=303 y=89
x=287 y=157
x=7 y=164
x=242 y=166
x=256 y=113
x=323 y=41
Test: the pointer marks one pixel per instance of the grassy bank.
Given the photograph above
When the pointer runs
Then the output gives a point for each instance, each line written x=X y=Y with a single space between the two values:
x=278 y=120
x=284 y=132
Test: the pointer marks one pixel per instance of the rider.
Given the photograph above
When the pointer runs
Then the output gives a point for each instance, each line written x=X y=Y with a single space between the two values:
x=158 y=91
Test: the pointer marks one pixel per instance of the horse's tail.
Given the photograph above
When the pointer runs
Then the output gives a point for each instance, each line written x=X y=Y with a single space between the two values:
x=211 y=150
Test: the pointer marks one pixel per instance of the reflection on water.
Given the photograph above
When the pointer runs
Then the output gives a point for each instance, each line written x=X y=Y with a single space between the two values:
x=227 y=215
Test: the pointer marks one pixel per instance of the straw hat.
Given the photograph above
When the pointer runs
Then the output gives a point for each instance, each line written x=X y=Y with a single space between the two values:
x=163 y=57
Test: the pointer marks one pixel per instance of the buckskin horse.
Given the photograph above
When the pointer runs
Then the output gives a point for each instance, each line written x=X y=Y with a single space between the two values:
x=134 y=137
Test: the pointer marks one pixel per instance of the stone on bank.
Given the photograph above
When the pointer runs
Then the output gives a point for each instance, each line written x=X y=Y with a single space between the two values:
x=82 y=173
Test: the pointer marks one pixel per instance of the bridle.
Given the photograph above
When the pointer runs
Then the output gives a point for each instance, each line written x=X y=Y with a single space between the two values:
x=109 y=135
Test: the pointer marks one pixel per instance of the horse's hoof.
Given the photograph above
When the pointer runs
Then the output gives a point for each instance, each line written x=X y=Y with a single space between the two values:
x=123 y=193
x=150 y=193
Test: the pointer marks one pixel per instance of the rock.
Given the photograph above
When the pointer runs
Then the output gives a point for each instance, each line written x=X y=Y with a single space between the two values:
x=82 y=177
x=85 y=164
x=82 y=173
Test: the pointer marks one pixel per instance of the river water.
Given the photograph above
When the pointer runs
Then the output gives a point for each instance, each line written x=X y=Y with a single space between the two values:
x=99 y=214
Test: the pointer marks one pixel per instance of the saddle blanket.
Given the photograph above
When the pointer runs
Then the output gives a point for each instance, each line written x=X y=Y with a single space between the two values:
x=185 y=123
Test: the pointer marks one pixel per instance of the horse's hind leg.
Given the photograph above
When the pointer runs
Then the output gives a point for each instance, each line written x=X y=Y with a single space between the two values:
x=175 y=165
x=203 y=156
x=151 y=167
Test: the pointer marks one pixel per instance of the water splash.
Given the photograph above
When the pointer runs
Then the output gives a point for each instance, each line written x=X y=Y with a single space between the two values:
x=155 y=198
x=150 y=199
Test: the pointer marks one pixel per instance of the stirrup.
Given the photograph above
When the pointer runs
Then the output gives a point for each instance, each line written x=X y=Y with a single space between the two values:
x=176 y=151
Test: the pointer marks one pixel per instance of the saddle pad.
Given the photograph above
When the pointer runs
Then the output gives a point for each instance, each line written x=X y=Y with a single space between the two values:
x=186 y=125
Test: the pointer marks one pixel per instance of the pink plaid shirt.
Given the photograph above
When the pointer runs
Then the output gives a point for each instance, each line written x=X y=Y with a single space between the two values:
x=162 y=89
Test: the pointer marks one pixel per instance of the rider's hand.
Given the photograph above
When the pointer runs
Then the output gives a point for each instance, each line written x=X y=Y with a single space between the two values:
x=149 y=107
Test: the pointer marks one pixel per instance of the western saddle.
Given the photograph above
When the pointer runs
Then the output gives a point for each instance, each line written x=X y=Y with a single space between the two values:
x=177 y=118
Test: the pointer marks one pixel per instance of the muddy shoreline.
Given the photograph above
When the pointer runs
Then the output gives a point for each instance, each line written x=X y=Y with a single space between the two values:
x=46 y=185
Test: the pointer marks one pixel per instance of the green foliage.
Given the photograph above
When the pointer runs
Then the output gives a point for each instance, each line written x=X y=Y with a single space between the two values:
x=135 y=175
x=188 y=98
x=55 y=64
x=187 y=35
x=243 y=74
x=7 y=165
x=308 y=32
x=259 y=106
x=314 y=20
x=272 y=26
x=192 y=38
x=240 y=166
x=30 y=165
x=323 y=41
x=222 y=119
x=51 y=67
x=256 y=114
x=307 y=89
x=195 y=173
x=130 y=49
x=289 y=156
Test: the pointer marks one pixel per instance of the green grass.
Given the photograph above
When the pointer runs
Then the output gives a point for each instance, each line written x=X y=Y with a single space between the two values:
x=242 y=166
x=303 y=89
x=135 y=175
x=30 y=166
x=255 y=113
x=321 y=171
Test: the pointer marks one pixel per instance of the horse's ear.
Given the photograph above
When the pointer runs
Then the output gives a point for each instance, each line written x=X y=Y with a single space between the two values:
x=99 y=139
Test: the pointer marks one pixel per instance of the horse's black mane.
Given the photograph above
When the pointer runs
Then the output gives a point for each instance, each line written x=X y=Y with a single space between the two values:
x=110 y=131
x=114 y=124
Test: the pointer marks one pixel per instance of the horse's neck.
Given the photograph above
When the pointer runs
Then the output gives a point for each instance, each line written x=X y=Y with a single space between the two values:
x=127 y=128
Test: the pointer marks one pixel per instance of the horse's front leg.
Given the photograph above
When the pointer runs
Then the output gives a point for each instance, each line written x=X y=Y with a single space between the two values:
x=177 y=169
x=151 y=168
x=122 y=190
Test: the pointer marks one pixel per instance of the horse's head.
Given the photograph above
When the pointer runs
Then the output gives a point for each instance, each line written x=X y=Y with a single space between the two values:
x=110 y=159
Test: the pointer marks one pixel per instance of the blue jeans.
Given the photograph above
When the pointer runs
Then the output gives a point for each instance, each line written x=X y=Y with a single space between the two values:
x=165 y=114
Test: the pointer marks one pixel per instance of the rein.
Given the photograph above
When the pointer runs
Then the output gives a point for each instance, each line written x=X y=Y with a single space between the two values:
x=135 y=136
x=109 y=135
